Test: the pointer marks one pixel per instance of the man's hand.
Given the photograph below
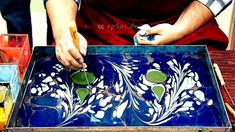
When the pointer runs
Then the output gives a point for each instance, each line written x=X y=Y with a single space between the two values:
x=166 y=33
x=62 y=14
x=193 y=17
x=68 y=54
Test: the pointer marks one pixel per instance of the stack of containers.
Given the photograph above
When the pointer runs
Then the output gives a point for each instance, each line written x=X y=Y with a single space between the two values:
x=14 y=58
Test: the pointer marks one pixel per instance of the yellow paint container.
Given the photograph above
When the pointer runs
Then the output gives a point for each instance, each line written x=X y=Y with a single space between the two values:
x=2 y=119
x=6 y=109
x=3 y=92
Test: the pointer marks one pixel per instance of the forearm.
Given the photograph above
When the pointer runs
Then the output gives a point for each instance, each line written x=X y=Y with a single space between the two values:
x=62 y=13
x=193 y=17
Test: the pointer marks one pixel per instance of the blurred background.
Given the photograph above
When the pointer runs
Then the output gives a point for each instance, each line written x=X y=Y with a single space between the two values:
x=226 y=21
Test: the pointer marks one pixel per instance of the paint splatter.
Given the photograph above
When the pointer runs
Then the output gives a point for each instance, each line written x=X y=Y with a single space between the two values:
x=80 y=78
x=82 y=94
x=156 y=76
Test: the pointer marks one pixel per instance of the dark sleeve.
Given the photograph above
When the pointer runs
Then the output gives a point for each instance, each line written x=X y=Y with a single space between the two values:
x=77 y=1
x=3 y=4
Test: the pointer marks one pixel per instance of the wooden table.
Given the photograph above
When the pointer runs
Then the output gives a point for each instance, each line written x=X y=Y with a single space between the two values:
x=226 y=62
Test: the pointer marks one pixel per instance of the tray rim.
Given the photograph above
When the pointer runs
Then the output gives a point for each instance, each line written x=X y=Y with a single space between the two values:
x=13 y=115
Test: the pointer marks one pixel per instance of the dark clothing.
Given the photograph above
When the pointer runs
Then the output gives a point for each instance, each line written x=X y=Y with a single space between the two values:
x=108 y=22
x=16 y=13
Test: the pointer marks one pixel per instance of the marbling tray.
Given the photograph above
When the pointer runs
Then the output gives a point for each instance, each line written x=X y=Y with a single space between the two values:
x=128 y=88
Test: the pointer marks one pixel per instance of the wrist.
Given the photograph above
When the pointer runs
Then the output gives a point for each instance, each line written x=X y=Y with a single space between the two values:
x=62 y=28
x=179 y=30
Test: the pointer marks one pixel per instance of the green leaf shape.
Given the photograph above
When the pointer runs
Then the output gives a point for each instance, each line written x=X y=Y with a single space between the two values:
x=156 y=76
x=82 y=93
x=159 y=92
x=80 y=78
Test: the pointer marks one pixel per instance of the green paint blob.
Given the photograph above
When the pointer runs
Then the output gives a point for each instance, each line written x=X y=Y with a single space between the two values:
x=80 y=78
x=156 y=77
x=82 y=94
x=158 y=91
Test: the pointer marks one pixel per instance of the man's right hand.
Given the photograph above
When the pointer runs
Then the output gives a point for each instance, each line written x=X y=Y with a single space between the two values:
x=68 y=54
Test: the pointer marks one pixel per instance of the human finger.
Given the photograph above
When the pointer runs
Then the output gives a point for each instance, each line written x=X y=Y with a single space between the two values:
x=83 y=44
x=72 y=54
x=59 y=53
x=145 y=41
